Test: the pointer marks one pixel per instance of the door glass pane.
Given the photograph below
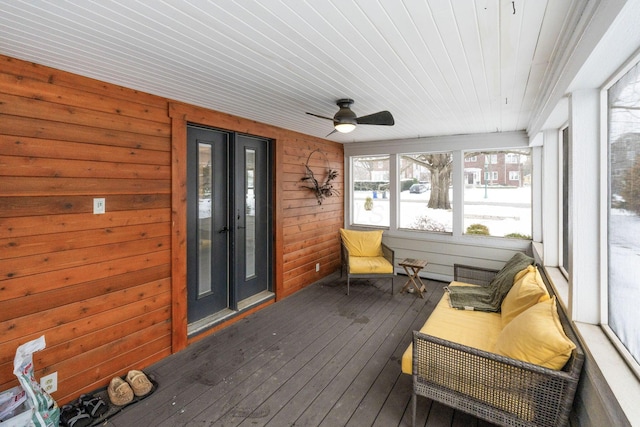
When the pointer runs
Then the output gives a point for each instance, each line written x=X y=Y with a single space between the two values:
x=205 y=179
x=250 y=213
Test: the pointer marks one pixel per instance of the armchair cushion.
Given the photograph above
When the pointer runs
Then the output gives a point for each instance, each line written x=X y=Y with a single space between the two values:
x=369 y=265
x=362 y=243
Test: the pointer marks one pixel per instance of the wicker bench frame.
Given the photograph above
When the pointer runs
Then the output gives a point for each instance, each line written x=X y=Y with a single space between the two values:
x=388 y=254
x=464 y=377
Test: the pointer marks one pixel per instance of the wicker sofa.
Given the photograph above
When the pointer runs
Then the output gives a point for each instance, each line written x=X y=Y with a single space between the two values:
x=481 y=382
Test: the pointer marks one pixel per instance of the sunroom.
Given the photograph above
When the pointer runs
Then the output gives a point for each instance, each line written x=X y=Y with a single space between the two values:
x=153 y=156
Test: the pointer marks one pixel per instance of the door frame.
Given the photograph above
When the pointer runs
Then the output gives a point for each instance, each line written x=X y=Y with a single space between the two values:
x=180 y=115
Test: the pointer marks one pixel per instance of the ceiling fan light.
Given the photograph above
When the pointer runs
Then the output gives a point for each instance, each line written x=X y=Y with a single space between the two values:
x=345 y=127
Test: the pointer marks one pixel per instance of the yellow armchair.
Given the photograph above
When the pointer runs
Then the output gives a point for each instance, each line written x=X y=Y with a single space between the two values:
x=364 y=256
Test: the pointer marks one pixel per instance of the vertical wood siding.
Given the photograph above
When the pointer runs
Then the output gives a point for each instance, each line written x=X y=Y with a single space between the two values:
x=100 y=287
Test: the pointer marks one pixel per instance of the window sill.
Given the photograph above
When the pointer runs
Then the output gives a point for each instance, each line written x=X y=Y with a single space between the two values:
x=616 y=373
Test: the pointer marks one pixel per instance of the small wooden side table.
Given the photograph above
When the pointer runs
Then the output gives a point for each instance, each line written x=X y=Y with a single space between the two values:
x=413 y=267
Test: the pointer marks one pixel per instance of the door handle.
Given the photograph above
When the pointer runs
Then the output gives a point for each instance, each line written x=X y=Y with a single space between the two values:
x=223 y=230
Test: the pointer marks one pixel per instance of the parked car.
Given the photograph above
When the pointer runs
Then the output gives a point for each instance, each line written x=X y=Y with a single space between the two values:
x=418 y=188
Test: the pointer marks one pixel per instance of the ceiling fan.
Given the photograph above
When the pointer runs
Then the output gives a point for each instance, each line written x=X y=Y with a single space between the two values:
x=346 y=120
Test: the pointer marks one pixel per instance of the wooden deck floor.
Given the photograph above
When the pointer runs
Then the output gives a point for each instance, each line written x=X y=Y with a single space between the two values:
x=317 y=358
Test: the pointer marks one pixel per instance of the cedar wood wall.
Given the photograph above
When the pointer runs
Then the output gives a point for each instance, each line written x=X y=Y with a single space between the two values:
x=108 y=291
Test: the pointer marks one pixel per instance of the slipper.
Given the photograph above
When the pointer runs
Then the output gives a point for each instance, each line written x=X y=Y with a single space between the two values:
x=73 y=416
x=93 y=405
x=139 y=383
x=120 y=392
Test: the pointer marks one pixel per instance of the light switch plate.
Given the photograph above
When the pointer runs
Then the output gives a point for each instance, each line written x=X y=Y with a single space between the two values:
x=99 y=206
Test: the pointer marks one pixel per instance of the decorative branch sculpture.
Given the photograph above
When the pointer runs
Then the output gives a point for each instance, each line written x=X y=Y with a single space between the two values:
x=324 y=189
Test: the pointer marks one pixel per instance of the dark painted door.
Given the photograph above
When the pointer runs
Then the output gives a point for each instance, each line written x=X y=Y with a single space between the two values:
x=208 y=223
x=252 y=216
x=229 y=220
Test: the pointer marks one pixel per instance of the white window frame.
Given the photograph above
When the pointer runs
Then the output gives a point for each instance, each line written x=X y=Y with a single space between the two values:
x=561 y=240
x=398 y=207
x=604 y=212
x=456 y=144
x=348 y=191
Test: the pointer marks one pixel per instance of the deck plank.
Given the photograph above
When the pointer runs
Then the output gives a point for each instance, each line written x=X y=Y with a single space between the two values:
x=386 y=402
x=368 y=371
x=316 y=358
x=331 y=360
x=261 y=365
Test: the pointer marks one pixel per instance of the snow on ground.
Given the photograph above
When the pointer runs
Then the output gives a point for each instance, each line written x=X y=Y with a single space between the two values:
x=624 y=282
x=503 y=210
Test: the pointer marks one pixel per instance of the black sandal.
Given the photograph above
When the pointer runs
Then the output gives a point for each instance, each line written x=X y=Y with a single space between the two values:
x=93 y=405
x=72 y=416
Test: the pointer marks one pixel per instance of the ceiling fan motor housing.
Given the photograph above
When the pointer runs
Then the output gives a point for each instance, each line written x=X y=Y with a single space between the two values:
x=344 y=115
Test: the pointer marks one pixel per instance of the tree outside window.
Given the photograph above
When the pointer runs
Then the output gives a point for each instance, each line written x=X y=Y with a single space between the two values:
x=425 y=198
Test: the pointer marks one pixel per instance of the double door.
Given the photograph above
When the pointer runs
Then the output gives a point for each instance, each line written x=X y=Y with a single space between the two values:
x=229 y=221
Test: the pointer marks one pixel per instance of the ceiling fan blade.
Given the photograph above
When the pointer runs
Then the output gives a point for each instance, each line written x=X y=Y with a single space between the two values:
x=331 y=133
x=322 y=117
x=383 y=118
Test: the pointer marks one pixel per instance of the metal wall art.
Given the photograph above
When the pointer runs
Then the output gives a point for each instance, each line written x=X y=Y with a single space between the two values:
x=322 y=189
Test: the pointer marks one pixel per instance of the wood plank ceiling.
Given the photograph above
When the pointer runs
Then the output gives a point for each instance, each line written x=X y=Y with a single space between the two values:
x=441 y=67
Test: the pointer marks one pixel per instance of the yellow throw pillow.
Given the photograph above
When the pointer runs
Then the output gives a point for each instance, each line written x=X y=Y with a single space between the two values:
x=528 y=289
x=536 y=336
x=362 y=243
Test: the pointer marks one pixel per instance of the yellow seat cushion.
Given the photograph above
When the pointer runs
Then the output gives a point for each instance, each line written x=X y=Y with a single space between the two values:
x=476 y=329
x=536 y=336
x=369 y=265
x=362 y=243
x=528 y=289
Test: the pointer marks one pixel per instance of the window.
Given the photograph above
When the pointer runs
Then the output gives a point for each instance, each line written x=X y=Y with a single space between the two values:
x=499 y=204
x=425 y=197
x=565 y=200
x=624 y=209
x=512 y=158
x=370 y=195
x=414 y=191
x=491 y=176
